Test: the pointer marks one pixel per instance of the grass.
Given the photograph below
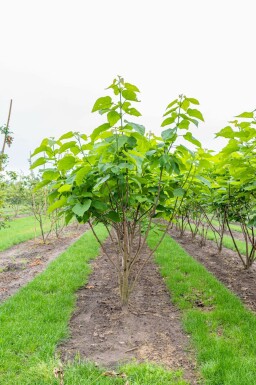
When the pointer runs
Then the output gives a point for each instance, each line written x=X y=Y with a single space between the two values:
x=232 y=226
x=143 y=374
x=35 y=320
x=223 y=332
x=23 y=210
x=20 y=230
x=227 y=241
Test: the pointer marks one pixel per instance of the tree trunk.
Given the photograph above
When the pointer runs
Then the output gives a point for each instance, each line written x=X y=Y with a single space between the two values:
x=124 y=289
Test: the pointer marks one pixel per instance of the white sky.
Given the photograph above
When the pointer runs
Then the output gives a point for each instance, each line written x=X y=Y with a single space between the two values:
x=58 y=56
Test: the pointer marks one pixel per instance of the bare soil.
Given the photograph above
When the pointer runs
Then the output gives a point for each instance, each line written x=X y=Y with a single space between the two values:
x=150 y=331
x=226 y=266
x=21 y=263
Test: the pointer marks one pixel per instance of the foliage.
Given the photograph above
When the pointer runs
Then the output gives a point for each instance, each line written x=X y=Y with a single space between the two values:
x=122 y=176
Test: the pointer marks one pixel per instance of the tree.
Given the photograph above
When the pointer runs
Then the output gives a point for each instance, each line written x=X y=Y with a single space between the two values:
x=122 y=176
x=7 y=140
x=236 y=177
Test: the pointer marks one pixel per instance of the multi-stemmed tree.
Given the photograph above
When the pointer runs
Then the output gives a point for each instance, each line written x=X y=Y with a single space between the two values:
x=122 y=176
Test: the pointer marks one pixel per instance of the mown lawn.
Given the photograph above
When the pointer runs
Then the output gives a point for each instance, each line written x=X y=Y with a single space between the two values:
x=223 y=331
x=20 y=230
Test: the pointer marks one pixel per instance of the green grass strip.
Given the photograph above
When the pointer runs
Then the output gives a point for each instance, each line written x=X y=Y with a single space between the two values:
x=20 y=230
x=232 y=226
x=35 y=320
x=223 y=332
x=137 y=374
x=227 y=241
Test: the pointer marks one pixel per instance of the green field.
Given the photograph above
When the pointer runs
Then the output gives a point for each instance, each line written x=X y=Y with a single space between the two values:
x=20 y=230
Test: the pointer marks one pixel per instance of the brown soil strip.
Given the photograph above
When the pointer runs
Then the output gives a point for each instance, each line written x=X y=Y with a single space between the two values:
x=150 y=331
x=226 y=266
x=21 y=263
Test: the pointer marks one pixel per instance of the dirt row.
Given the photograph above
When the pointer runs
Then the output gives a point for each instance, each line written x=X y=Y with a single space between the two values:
x=150 y=331
x=225 y=266
x=21 y=263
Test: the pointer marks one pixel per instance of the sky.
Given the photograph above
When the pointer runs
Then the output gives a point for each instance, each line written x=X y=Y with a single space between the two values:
x=58 y=56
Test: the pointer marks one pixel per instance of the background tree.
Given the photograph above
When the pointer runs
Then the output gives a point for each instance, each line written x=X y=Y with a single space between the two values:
x=7 y=140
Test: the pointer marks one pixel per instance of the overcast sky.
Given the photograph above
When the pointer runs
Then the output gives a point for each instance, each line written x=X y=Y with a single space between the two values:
x=58 y=56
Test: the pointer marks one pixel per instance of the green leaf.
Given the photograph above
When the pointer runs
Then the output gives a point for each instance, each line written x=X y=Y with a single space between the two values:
x=245 y=115
x=64 y=188
x=113 y=216
x=185 y=104
x=137 y=127
x=66 y=163
x=68 y=217
x=99 y=130
x=184 y=124
x=178 y=192
x=125 y=166
x=66 y=146
x=190 y=119
x=168 y=121
x=172 y=103
x=193 y=101
x=113 y=118
x=226 y=132
x=86 y=194
x=137 y=181
x=42 y=148
x=38 y=162
x=164 y=160
x=135 y=158
x=130 y=110
x=75 y=150
x=169 y=134
x=50 y=175
x=81 y=174
x=100 y=206
x=121 y=140
x=102 y=103
x=205 y=181
x=56 y=205
x=233 y=145
x=68 y=135
x=170 y=111
x=131 y=87
x=188 y=136
x=129 y=95
x=40 y=185
x=195 y=114
x=80 y=208
x=100 y=181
